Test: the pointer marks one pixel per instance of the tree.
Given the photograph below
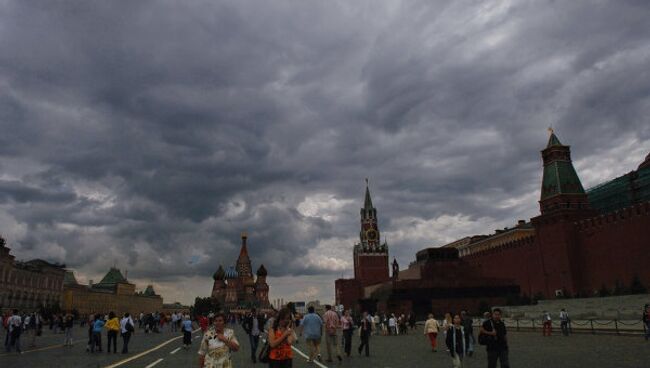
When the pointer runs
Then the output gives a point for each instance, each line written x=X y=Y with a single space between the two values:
x=203 y=306
x=604 y=291
x=636 y=287
x=619 y=288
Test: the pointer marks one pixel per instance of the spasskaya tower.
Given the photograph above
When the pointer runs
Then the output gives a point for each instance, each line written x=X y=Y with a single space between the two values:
x=370 y=255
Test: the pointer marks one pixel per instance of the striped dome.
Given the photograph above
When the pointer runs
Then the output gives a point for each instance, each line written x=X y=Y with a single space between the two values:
x=231 y=273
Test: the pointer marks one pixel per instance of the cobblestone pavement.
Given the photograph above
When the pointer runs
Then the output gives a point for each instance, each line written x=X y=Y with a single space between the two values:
x=527 y=349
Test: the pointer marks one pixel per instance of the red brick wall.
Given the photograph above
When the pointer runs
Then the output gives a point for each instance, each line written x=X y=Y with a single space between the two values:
x=518 y=260
x=615 y=247
x=347 y=292
x=372 y=269
x=578 y=256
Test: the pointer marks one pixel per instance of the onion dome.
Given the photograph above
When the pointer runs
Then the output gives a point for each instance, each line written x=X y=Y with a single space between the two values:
x=231 y=273
x=261 y=271
x=220 y=274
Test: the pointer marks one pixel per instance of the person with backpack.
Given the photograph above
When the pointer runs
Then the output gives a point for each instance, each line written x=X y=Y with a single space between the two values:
x=126 y=328
x=493 y=335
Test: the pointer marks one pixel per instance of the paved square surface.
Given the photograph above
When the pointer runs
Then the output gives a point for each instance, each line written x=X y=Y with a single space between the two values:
x=527 y=349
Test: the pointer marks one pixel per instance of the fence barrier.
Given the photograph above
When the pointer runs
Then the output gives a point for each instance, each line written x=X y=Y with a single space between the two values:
x=593 y=325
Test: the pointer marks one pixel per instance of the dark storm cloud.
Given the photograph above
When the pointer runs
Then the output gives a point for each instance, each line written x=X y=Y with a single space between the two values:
x=150 y=134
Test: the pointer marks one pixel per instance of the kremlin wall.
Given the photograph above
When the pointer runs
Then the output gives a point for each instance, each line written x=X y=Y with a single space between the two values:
x=581 y=242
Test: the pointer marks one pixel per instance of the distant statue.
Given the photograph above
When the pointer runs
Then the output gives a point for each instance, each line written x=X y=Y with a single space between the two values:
x=395 y=269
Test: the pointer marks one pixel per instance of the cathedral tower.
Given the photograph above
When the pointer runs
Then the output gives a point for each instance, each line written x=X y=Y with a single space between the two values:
x=261 y=287
x=370 y=255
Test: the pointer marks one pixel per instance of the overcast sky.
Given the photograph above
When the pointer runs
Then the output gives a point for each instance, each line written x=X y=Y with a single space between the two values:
x=148 y=135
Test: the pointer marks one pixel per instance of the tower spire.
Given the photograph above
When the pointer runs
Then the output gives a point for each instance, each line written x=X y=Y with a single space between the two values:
x=367 y=203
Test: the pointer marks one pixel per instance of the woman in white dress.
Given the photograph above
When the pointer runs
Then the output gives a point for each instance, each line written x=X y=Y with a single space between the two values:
x=216 y=345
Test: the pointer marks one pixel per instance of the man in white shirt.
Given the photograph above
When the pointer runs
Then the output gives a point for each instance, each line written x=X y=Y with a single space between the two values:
x=174 y=323
x=392 y=325
x=15 y=329
x=126 y=328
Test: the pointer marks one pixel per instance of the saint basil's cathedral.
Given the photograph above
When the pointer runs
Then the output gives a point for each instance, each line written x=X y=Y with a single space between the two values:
x=235 y=287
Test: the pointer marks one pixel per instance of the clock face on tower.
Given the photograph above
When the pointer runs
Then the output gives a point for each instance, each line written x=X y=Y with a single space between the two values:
x=371 y=234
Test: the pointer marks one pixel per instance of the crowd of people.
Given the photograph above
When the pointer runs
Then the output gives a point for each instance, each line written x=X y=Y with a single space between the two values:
x=23 y=328
x=279 y=330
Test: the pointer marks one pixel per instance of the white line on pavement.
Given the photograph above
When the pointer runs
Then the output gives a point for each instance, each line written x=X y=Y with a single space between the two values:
x=154 y=363
x=321 y=365
x=175 y=350
x=121 y=362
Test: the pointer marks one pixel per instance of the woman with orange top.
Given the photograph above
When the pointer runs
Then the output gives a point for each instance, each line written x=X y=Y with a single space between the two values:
x=281 y=338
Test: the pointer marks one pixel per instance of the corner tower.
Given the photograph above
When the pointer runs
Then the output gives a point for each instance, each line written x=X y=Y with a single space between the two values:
x=563 y=202
x=370 y=255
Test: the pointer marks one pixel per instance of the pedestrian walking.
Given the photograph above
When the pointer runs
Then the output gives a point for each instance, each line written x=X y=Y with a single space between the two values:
x=411 y=319
x=392 y=325
x=431 y=328
x=564 y=322
x=375 y=324
x=468 y=327
x=253 y=325
x=174 y=322
x=281 y=338
x=312 y=328
x=456 y=342
x=332 y=323
x=347 y=326
x=496 y=340
x=91 y=324
x=646 y=320
x=217 y=344
x=15 y=325
x=127 y=328
x=112 y=329
x=546 y=324
x=186 y=327
x=98 y=325
x=365 y=329
x=69 y=324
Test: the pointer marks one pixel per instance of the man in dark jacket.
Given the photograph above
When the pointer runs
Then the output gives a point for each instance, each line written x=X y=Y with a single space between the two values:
x=497 y=347
x=253 y=325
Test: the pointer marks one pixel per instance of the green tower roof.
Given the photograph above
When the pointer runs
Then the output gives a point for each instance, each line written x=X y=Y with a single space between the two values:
x=553 y=141
x=559 y=175
x=113 y=277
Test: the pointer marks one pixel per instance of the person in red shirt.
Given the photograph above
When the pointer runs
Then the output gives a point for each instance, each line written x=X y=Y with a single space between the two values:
x=203 y=323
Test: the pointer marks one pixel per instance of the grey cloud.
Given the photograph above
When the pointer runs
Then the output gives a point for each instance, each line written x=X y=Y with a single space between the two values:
x=146 y=121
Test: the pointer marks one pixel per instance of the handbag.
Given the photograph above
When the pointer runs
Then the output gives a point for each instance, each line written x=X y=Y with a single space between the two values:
x=263 y=357
x=484 y=339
